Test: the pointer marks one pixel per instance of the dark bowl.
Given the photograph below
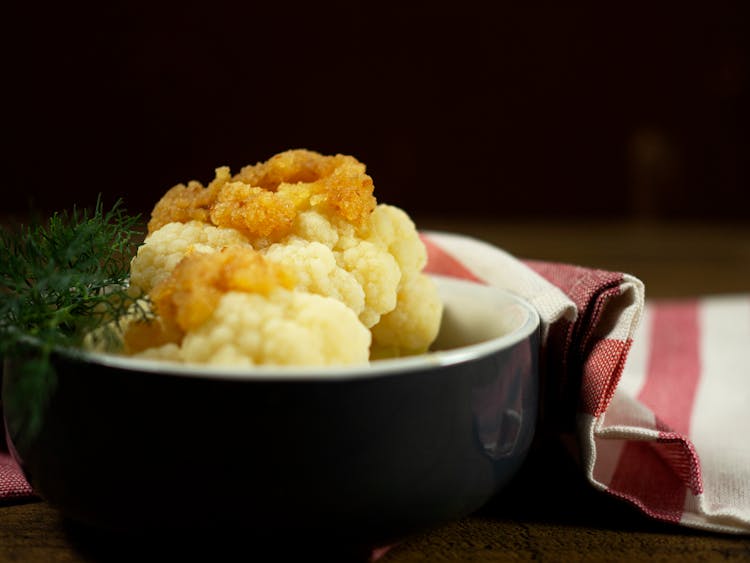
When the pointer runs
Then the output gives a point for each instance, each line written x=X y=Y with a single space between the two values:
x=372 y=452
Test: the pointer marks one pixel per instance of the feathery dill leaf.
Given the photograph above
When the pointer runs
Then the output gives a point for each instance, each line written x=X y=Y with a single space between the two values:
x=58 y=283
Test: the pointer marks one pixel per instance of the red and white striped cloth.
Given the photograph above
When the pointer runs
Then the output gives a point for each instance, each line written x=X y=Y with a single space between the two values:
x=668 y=429
x=13 y=486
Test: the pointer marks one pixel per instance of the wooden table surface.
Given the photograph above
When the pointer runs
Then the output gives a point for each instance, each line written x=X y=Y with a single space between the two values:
x=535 y=518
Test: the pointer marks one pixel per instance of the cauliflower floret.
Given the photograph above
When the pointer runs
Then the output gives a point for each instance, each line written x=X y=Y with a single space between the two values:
x=282 y=328
x=233 y=306
x=391 y=228
x=412 y=326
x=169 y=352
x=377 y=273
x=314 y=227
x=315 y=270
x=414 y=323
x=364 y=277
x=386 y=257
x=165 y=247
x=317 y=219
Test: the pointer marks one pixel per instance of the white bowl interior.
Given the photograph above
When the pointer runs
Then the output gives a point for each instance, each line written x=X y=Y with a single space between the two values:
x=477 y=320
x=475 y=314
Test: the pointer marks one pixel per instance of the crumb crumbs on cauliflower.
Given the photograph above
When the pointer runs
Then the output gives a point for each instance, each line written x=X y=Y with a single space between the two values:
x=165 y=247
x=313 y=222
x=263 y=200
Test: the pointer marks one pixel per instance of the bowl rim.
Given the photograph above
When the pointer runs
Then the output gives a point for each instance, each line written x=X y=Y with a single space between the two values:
x=375 y=368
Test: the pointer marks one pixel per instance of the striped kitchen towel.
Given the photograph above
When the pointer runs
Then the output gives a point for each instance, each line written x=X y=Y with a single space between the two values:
x=668 y=429
x=13 y=486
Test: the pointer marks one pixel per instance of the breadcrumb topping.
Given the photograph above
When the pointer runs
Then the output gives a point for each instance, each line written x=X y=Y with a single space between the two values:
x=263 y=200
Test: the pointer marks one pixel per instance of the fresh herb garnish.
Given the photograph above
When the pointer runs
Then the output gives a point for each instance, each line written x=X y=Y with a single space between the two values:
x=58 y=283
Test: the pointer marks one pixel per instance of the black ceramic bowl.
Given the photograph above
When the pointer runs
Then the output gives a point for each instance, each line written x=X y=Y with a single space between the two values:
x=373 y=452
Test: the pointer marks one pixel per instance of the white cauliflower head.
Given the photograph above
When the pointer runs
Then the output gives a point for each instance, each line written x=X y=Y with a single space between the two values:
x=313 y=217
x=233 y=306
x=163 y=249
x=282 y=328
x=375 y=269
x=333 y=260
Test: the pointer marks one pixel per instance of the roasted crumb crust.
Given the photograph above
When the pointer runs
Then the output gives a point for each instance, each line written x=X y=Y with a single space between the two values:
x=188 y=297
x=262 y=200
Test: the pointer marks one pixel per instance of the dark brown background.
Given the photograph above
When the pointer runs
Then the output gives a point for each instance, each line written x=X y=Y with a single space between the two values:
x=550 y=110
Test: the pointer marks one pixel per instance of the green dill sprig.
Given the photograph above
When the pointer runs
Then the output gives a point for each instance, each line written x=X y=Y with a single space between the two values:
x=60 y=282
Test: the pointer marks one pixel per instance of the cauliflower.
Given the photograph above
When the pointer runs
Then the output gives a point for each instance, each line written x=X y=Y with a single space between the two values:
x=282 y=328
x=316 y=271
x=233 y=306
x=385 y=256
x=413 y=324
x=340 y=264
x=312 y=217
x=164 y=248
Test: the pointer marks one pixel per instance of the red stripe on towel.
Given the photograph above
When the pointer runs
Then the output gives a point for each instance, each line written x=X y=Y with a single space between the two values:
x=656 y=475
x=12 y=483
x=442 y=263
x=601 y=374
x=644 y=478
x=674 y=364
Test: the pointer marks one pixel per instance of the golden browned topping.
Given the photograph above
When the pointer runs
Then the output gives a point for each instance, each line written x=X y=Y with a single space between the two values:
x=182 y=204
x=142 y=335
x=255 y=212
x=263 y=200
x=189 y=296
